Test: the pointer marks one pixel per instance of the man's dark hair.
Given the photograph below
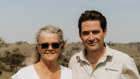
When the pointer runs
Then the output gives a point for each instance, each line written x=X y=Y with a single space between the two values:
x=92 y=15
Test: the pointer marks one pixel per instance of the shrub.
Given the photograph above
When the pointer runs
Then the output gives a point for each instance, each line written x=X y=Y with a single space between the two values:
x=138 y=68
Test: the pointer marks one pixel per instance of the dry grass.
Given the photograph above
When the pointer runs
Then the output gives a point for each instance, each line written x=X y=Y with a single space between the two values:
x=6 y=75
x=25 y=49
x=70 y=49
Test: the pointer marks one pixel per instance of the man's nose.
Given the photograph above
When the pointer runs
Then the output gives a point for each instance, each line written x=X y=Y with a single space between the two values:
x=91 y=36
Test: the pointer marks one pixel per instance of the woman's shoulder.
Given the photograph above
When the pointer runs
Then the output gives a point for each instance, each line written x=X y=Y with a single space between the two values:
x=25 y=69
x=23 y=72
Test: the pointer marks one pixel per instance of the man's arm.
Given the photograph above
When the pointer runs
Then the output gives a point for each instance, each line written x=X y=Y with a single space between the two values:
x=130 y=70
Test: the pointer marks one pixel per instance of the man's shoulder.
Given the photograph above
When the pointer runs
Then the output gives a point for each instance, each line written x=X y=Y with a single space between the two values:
x=76 y=55
x=66 y=69
x=66 y=73
x=119 y=54
x=73 y=60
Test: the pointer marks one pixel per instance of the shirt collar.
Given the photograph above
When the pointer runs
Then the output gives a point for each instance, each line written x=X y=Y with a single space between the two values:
x=82 y=55
x=107 y=54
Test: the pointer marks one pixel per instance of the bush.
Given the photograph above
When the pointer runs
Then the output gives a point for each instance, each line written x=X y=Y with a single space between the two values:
x=138 y=68
x=0 y=72
x=21 y=42
x=13 y=59
x=1 y=65
x=2 y=42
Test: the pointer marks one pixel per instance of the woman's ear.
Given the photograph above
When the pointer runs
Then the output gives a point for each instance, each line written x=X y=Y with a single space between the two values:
x=38 y=48
x=62 y=46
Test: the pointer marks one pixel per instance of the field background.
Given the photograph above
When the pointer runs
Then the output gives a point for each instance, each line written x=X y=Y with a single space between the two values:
x=132 y=49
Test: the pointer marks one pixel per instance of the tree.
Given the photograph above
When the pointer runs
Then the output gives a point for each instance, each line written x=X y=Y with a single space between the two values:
x=16 y=60
x=138 y=68
x=13 y=59
x=2 y=42
x=21 y=42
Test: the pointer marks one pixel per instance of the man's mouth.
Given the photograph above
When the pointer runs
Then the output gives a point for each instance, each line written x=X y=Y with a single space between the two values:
x=91 y=44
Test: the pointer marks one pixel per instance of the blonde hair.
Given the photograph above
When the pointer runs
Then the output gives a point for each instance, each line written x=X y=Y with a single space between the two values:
x=47 y=29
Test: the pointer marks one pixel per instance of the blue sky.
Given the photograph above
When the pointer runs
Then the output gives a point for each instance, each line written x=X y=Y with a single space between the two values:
x=21 y=19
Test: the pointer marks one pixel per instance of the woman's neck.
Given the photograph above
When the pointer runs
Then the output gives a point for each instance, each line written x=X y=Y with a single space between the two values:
x=48 y=70
x=50 y=66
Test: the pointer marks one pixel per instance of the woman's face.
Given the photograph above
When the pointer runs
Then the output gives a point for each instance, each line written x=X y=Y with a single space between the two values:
x=49 y=47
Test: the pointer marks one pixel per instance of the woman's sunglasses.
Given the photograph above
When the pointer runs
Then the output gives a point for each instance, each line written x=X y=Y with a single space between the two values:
x=46 y=45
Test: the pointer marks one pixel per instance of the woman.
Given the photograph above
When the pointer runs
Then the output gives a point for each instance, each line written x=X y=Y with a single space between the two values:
x=50 y=44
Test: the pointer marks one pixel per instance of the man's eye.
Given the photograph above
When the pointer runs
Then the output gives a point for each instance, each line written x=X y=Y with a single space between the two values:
x=85 y=33
x=96 y=32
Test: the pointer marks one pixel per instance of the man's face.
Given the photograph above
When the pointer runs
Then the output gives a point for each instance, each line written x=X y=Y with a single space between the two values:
x=92 y=35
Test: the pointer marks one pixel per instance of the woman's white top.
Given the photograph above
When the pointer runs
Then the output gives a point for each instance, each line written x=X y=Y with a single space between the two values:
x=30 y=73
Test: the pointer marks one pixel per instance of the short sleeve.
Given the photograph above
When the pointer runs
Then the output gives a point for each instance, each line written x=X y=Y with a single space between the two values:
x=19 y=75
x=15 y=76
x=26 y=73
x=130 y=70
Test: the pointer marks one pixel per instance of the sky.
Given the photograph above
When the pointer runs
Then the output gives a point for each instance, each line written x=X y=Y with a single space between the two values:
x=21 y=19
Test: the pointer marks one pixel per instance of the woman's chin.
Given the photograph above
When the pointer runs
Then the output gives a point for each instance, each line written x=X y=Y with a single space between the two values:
x=50 y=58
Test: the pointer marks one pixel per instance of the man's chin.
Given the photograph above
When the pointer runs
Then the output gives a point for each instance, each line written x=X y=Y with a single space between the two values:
x=92 y=48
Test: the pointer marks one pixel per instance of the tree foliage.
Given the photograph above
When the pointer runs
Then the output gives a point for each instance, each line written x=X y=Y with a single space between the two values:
x=2 y=42
x=14 y=59
x=21 y=42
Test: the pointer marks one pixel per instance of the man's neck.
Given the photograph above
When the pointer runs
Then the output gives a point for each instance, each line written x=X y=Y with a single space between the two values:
x=94 y=56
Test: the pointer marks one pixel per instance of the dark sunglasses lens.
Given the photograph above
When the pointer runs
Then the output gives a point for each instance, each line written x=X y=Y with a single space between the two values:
x=44 y=45
x=55 y=45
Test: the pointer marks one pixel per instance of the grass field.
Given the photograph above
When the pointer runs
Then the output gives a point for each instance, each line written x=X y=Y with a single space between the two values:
x=6 y=75
x=132 y=50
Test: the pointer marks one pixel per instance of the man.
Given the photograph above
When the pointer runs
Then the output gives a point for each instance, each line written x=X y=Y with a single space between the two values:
x=97 y=60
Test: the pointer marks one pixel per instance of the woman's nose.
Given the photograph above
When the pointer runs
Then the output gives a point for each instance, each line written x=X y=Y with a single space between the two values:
x=50 y=47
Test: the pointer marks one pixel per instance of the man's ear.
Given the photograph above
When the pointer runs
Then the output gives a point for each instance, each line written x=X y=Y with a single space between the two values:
x=105 y=32
x=79 y=34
